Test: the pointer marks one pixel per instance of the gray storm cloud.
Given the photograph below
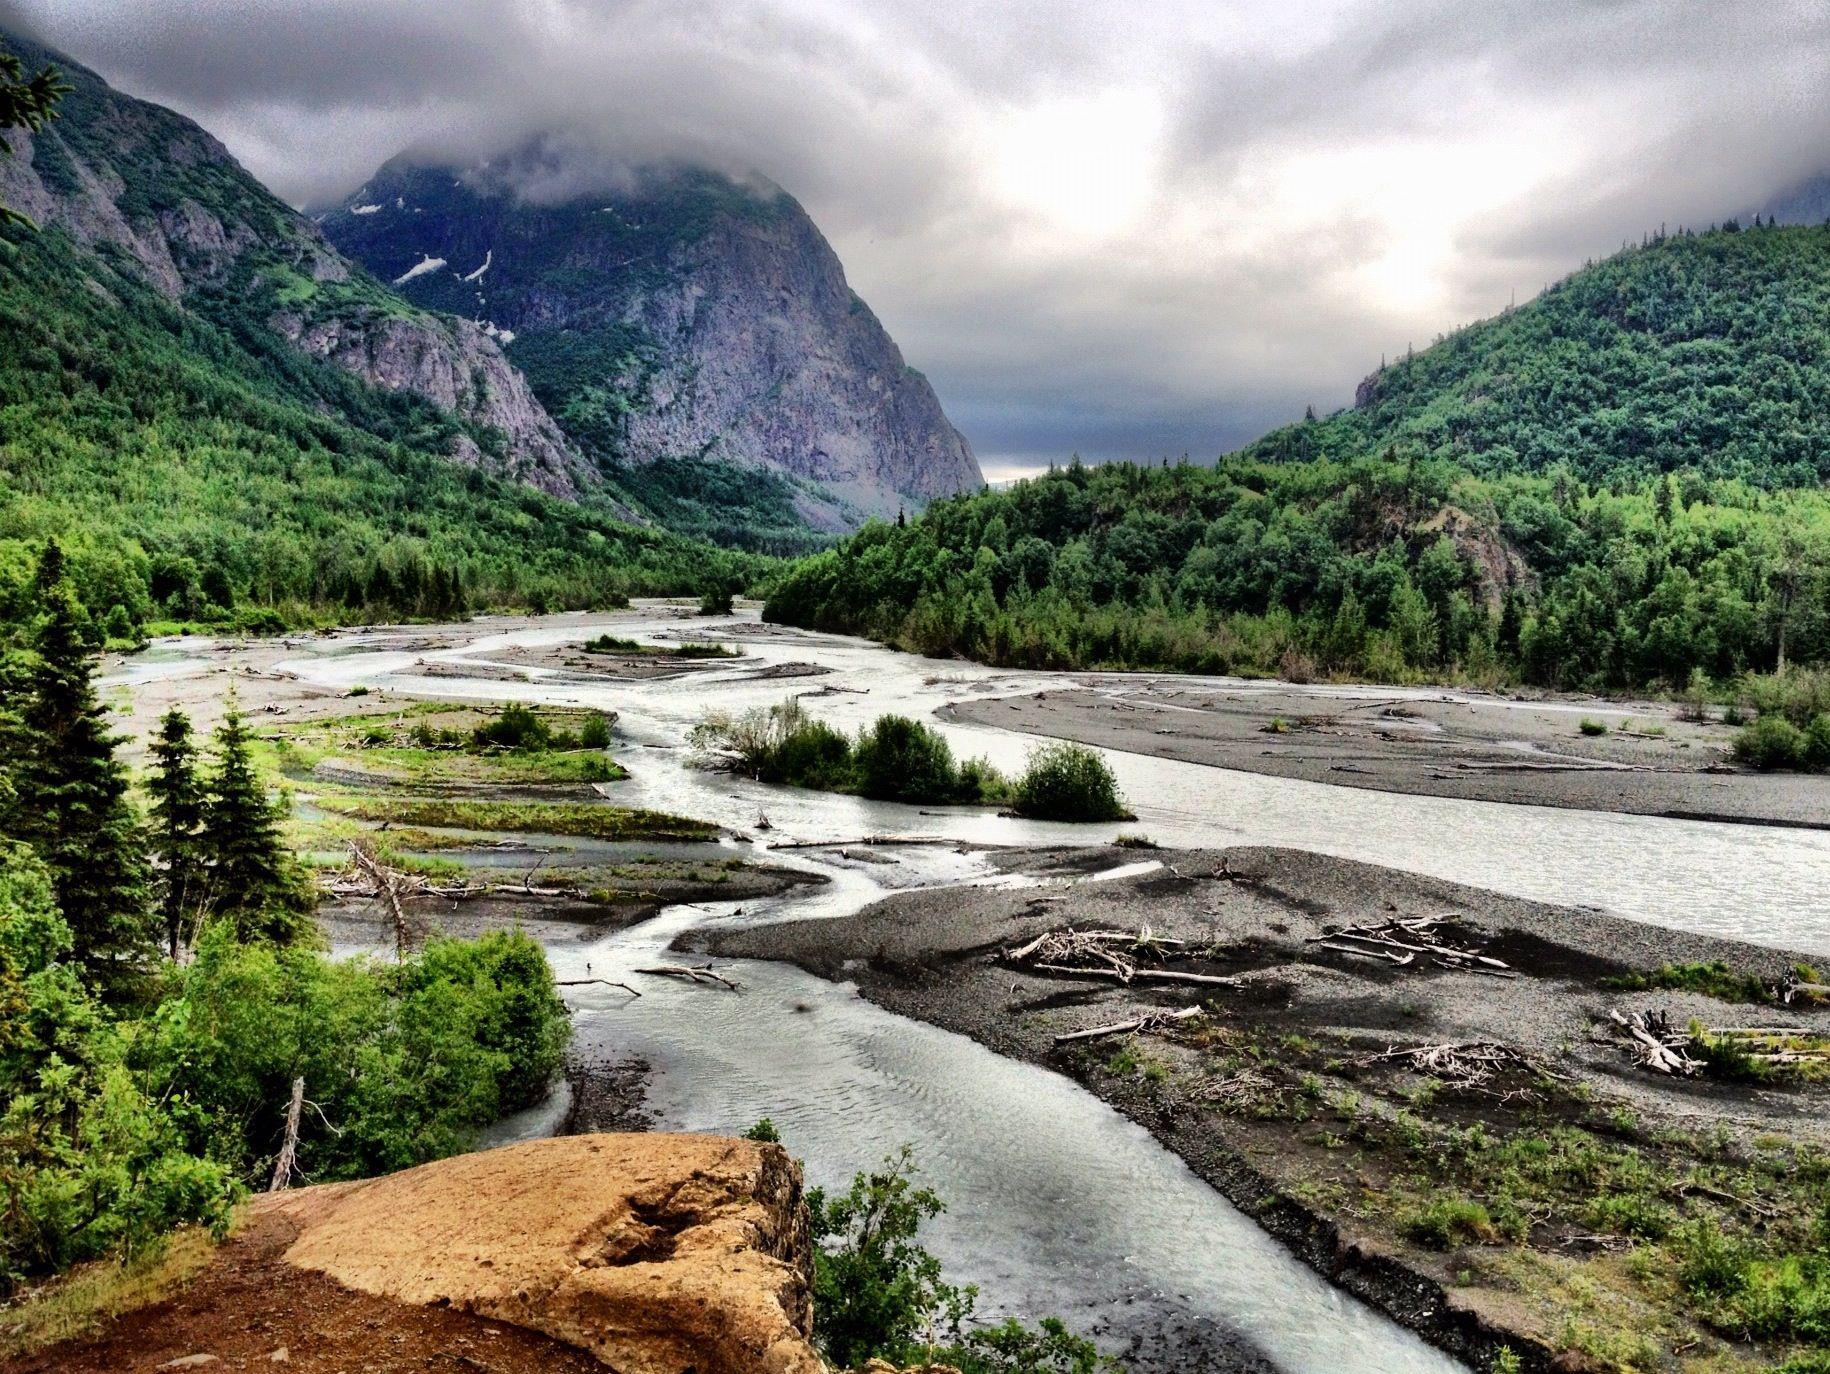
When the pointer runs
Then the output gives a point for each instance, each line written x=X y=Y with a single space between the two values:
x=1129 y=230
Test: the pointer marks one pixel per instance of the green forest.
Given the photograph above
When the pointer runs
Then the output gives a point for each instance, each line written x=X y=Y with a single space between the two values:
x=199 y=470
x=1617 y=486
x=162 y=989
x=1706 y=353
x=1375 y=568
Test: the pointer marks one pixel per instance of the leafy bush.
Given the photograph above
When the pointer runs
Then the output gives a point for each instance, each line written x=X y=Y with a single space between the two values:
x=1713 y=979
x=596 y=733
x=516 y=727
x=402 y=1063
x=1069 y=782
x=893 y=759
x=898 y=759
x=1772 y=742
x=89 y=1164
x=1593 y=727
x=716 y=601
x=877 y=1293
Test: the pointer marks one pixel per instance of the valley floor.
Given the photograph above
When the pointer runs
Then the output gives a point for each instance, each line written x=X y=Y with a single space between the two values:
x=1426 y=742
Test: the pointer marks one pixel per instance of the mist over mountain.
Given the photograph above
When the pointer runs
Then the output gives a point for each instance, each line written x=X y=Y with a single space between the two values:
x=666 y=314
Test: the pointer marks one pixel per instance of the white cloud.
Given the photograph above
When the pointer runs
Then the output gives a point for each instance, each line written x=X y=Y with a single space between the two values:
x=1128 y=229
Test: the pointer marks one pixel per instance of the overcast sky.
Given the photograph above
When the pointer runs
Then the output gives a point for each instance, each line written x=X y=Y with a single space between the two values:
x=1121 y=227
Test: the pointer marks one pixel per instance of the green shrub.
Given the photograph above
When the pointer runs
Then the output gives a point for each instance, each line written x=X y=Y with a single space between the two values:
x=1449 y=1222
x=596 y=733
x=1772 y=742
x=813 y=755
x=716 y=601
x=516 y=727
x=1593 y=727
x=898 y=759
x=1631 y=1214
x=1713 y=979
x=1069 y=782
x=877 y=1293
x=1817 y=743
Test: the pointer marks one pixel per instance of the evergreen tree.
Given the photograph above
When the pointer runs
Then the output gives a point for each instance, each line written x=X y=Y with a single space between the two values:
x=70 y=797
x=178 y=809
x=251 y=872
x=25 y=103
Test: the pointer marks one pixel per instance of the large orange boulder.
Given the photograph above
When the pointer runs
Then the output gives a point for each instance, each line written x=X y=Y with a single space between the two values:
x=659 y=1254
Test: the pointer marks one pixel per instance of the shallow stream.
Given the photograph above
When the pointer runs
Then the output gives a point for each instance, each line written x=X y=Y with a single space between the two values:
x=1057 y=1203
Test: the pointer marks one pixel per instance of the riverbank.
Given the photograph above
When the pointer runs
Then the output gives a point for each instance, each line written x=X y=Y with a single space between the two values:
x=1639 y=758
x=1473 y=1214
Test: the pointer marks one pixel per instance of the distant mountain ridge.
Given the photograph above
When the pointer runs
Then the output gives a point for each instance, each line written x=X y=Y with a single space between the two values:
x=678 y=315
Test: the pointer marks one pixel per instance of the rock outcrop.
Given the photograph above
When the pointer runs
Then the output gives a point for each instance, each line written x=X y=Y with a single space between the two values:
x=658 y=1254
x=141 y=188
x=679 y=314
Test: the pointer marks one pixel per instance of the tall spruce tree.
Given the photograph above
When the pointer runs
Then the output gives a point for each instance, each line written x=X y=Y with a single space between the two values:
x=252 y=874
x=178 y=806
x=70 y=797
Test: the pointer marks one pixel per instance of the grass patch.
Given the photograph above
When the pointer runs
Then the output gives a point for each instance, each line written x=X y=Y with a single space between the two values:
x=612 y=644
x=1593 y=727
x=91 y=1295
x=432 y=745
x=1713 y=979
x=582 y=819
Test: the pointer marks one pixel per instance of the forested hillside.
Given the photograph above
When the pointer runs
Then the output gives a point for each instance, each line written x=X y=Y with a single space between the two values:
x=1372 y=568
x=1617 y=485
x=219 y=416
x=1705 y=352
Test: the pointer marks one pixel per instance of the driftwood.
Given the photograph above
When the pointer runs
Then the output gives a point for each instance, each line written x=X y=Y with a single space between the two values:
x=1115 y=954
x=603 y=982
x=1142 y=975
x=1413 y=936
x=863 y=839
x=286 y=1164
x=1148 y=1021
x=1794 y=986
x=1655 y=1045
x=690 y=973
x=1469 y=1065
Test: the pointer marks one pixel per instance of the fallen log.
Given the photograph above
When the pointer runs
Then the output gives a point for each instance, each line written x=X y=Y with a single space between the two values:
x=689 y=973
x=603 y=982
x=1147 y=975
x=1145 y=1022
x=1387 y=955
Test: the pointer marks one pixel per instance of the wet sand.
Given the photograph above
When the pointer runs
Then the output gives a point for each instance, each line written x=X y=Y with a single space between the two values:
x=1474 y=747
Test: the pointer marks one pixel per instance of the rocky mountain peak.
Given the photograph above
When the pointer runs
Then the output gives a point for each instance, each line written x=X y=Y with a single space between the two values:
x=667 y=313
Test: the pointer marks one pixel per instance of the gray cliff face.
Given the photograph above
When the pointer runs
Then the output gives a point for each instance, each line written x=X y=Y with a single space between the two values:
x=140 y=183
x=680 y=315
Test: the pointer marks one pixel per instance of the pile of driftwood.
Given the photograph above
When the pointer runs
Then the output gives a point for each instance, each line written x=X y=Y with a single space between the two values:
x=1469 y=1066
x=1655 y=1044
x=1122 y=956
x=1399 y=941
x=1663 y=1048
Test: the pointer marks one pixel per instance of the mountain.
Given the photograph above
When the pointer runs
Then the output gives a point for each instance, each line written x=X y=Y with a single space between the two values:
x=214 y=408
x=1618 y=485
x=670 y=314
x=1702 y=352
x=136 y=183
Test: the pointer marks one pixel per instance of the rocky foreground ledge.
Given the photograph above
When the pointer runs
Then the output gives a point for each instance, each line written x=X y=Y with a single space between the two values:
x=649 y=1254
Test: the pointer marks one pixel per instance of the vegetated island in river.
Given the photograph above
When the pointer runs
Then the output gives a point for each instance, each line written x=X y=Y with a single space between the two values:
x=1421 y=1087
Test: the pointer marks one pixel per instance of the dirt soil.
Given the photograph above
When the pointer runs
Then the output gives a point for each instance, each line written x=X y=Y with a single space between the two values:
x=1454 y=744
x=249 y=1305
x=1311 y=1014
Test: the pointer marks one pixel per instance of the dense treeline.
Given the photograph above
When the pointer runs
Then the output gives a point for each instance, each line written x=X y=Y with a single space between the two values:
x=159 y=994
x=198 y=469
x=1382 y=569
x=1702 y=352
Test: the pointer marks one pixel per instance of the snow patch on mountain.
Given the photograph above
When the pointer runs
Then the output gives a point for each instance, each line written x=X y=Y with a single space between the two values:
x=488 y=257
x=363 y=209
x=419 y=269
